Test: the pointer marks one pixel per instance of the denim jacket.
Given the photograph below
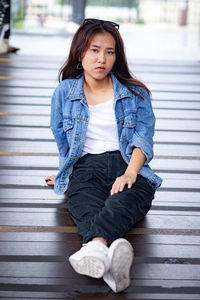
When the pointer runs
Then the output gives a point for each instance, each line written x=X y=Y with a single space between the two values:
x=70 y=117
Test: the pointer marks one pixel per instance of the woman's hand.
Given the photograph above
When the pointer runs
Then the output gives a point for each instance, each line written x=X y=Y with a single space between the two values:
x=120 y=182
x=50 y=180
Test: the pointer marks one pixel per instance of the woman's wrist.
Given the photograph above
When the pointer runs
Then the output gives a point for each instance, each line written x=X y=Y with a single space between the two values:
x=131 y=172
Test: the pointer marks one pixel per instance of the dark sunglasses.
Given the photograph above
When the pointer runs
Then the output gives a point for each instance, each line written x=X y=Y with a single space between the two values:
x=100 y=22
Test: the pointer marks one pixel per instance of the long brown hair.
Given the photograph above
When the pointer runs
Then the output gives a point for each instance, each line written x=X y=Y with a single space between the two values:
x=81 y=42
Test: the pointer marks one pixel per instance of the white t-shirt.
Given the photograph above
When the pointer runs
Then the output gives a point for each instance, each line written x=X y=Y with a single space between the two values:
x=101 y=135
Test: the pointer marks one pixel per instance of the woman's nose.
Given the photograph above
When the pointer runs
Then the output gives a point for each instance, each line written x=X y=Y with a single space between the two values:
x=101 y=57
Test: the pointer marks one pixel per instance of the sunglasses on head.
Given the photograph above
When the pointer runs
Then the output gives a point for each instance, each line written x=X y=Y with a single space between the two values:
x=101 y=22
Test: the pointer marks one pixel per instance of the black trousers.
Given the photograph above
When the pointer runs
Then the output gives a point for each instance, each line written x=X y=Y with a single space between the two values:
x=93 y=209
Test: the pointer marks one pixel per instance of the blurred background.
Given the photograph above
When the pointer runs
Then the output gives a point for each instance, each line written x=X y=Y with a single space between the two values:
x=152 y=29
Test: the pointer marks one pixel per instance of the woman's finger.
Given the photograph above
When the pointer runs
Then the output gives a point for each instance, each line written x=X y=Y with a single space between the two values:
x=118 y=186
x=122 y=185
x=114 y=188
x=50 y=180
x=130 y=184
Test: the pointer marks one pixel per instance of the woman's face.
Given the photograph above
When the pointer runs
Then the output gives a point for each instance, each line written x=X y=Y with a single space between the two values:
x=99 y=57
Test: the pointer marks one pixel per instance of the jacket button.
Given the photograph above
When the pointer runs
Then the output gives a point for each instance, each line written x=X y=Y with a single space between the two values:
x=153 y=183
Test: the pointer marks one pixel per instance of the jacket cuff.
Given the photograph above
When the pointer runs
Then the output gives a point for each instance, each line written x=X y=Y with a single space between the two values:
x=141 y=143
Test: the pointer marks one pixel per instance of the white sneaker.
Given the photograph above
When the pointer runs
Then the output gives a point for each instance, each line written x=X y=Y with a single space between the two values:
x=120 y=256
x=91 y=259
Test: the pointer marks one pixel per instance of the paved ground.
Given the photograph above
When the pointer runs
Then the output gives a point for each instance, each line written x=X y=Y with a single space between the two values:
x=141 y=42
x=37 y=234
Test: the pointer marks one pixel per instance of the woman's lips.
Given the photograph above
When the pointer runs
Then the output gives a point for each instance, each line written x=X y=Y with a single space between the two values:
x=100 y=68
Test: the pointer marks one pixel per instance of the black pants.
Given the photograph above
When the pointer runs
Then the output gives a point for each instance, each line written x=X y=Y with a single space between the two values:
x=93 y=209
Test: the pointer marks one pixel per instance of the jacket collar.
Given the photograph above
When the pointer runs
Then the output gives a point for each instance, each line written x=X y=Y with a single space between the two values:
x=120 y=91
x=77 y=93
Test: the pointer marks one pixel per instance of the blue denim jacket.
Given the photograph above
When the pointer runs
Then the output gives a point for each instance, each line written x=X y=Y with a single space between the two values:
x=70 y=117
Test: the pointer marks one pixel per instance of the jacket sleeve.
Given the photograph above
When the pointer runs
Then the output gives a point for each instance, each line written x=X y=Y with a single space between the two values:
x=56 y=125
x=144 y=130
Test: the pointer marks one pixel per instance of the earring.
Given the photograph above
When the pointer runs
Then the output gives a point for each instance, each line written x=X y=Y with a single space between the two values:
x=79 y=66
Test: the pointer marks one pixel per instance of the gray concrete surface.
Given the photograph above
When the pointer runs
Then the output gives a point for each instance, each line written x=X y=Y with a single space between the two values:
x=141 y=42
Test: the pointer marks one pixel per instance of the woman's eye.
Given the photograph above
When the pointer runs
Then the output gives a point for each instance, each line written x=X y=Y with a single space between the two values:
x=110 y=52
x=94 y=50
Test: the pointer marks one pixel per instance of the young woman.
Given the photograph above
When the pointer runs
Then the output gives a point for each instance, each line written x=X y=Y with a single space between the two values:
x=103 y=124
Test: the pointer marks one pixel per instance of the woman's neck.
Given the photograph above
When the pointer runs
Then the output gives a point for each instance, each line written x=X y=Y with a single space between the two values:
x=92 y=86
x=98 y=91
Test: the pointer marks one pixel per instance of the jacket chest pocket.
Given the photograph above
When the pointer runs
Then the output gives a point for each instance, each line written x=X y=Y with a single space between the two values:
x=128 y=127
x=129 y=121
x=68 y=125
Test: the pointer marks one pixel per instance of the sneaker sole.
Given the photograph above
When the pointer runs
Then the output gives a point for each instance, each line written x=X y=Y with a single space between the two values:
x=122 y=259
x=89 y=265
